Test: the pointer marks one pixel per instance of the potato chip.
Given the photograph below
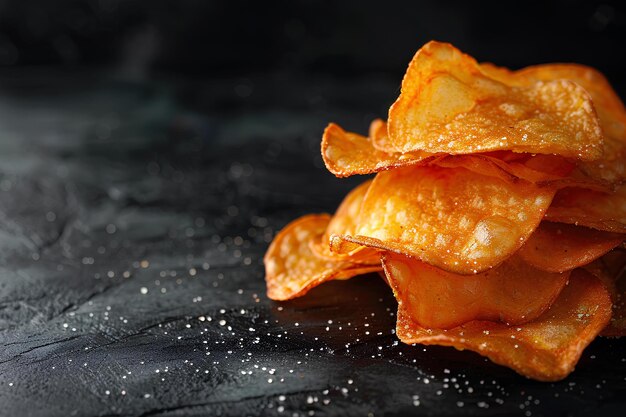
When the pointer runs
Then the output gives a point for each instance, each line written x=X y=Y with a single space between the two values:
x=482 y=164
x=602 y=211
x=558 y=247
x=339 y=245
x=511 y=171
x=378 y=136
x=544 y=170
x=546 y=349
x=447 y=104
x=347 y=154
x=291 y=269
x=344 y=222
x=577 y=180
x=344 y=156
x=451 y=218
x=611 y=112
x=512 y=293
x=553 y=165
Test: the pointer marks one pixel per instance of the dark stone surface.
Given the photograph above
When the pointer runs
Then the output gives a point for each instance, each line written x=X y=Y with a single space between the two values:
x=133 y=221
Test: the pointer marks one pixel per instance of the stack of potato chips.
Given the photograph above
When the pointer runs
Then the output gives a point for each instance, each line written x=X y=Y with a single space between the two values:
x=497 y=214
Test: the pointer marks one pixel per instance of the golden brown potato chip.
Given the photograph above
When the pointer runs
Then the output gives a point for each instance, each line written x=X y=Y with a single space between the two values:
x=544 y=170
x=512 y=293
x=577 y=179
x=291 y=269
x=511 y=171
x=602 y=211
x=546 y=349
x=378 y=136
x=347 y=154
x=449 y=105
x=611 y=167
x=558 y=247
x=339 y=245
x=344 y=222
x=451 y=218
x=482 y=164
x=553 y=165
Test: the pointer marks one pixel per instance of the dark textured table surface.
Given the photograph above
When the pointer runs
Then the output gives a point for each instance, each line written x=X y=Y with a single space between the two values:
x=133 y=221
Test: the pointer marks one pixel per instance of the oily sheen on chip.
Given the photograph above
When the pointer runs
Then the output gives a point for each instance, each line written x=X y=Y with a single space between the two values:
x=497 y=214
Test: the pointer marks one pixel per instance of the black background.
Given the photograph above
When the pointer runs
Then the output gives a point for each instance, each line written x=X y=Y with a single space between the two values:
x=341 y=39
x=150 y=150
